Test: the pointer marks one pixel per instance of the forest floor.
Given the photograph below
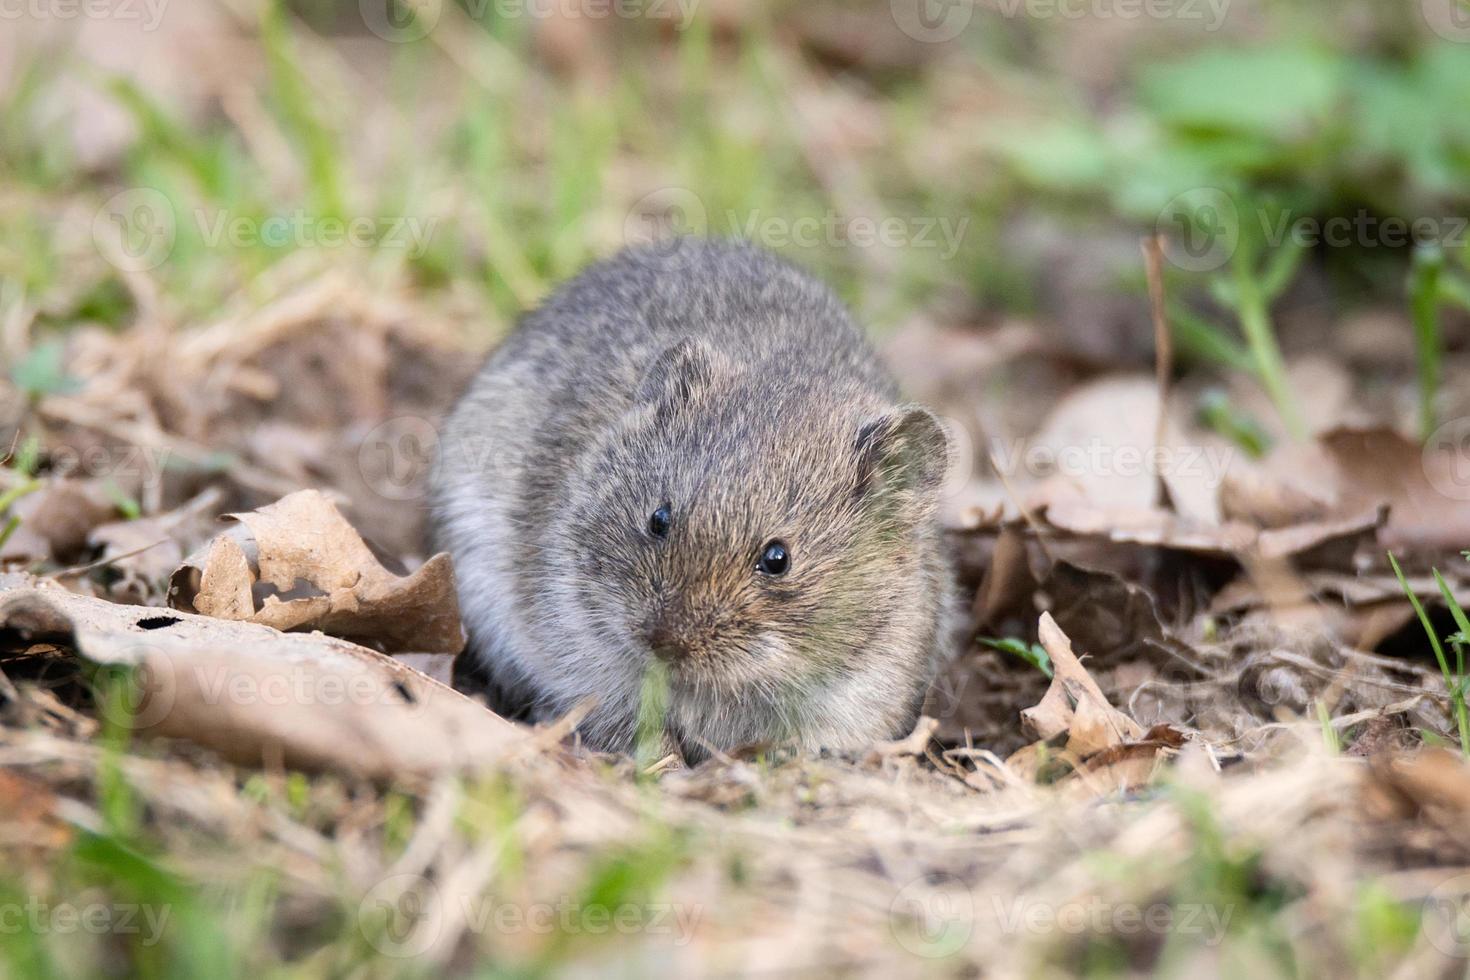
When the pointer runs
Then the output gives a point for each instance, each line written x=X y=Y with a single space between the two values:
x=1207 y=723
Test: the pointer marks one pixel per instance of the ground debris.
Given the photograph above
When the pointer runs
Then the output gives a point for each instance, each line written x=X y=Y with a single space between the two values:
x=298 y=564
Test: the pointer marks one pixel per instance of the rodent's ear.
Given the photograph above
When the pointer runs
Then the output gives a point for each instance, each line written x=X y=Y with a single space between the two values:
x=905 y=451
x=680 y=373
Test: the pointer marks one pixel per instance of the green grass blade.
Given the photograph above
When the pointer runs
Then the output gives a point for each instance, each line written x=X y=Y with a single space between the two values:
x=1260 y=335
x=1457 y=695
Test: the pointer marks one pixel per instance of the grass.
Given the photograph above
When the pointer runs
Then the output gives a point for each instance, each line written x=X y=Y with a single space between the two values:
x=1032 y=653
x=524 y=178
x=1252 y=299
x=1455 y=682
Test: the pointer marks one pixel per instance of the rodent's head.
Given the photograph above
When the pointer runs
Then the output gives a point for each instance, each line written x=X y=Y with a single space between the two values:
x=759 y=533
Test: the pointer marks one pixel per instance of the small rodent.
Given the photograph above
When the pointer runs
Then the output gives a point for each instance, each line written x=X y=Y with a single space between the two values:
x=691 y=453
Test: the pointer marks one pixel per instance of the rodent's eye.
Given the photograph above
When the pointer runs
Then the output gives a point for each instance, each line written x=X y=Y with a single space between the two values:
x=659 y=522
x=774 y=560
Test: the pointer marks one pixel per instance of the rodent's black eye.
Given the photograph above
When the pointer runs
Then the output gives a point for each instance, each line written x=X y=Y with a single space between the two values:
x=775 y=559
x=659 y=522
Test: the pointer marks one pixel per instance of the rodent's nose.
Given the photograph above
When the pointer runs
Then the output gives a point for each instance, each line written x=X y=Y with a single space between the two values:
x=666 y=643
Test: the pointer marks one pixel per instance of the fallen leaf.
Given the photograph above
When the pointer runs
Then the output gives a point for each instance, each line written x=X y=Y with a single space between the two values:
x=260 y=696
x=298 y=564
x=1434 y=782
x=1380 y=466
x=1074 y=704
x=1120 y=768
x=145 y=552
x=31 y=820
x=56 y=519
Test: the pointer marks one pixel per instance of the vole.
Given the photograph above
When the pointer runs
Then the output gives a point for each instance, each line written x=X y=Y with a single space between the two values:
x=690 y=454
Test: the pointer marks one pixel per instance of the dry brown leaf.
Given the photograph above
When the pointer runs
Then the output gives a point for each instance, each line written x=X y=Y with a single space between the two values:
x=1120 y=768
x=225 y=584
x=1074 y=704
x=1113 y=445
x=1434 y=782
x=298 y=564
x=260 y=696
x=1377 y=466
x=56 y=519
x=30 y=808
x=1008 y=579
x=1278 y=491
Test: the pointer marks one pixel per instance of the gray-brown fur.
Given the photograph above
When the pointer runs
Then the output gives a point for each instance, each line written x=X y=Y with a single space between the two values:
x=732 y=386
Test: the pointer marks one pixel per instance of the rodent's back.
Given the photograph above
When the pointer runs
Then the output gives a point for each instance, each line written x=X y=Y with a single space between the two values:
x=545 y=430
x=598 y=334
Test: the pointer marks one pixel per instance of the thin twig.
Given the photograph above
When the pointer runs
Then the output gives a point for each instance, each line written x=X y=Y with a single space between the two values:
x=1153 y=264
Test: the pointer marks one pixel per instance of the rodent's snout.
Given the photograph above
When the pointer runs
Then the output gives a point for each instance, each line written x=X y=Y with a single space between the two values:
x=666 y=643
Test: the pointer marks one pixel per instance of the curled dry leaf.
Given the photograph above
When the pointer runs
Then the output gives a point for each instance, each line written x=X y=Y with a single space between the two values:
x=1105 y=750
x=298 y=564
x=1074 y=704
x=259 y=696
